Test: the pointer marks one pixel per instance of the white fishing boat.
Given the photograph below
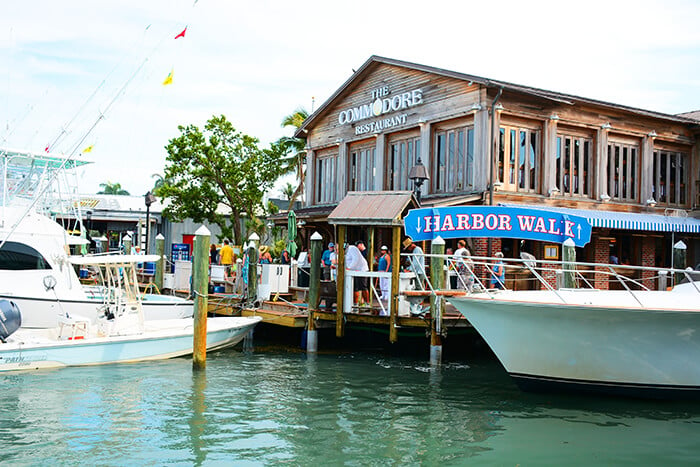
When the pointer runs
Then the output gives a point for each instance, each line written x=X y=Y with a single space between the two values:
x=119 y=335
x=634 y=341
x=38 y=274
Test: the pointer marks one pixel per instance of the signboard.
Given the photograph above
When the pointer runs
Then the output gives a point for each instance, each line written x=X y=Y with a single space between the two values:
x=496 y=222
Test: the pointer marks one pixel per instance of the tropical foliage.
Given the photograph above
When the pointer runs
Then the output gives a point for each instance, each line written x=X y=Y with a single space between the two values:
x=110 y=188
x=295 y=148
x=219 y=167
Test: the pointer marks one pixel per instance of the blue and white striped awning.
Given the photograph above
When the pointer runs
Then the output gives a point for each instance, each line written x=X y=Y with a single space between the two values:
x=628 y=220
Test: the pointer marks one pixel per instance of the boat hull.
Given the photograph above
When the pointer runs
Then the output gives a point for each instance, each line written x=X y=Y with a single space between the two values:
x=29 y=349
x=43 y=312
x=650 y=352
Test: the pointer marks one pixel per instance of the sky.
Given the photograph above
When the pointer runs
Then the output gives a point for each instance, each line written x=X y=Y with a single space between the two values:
x=84 y=73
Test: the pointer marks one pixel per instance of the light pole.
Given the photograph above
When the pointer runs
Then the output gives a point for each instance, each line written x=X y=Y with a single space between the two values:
x=88 y=215
x=149 y=199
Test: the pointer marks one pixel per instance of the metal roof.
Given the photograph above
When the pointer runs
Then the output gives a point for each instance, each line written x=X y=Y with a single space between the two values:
x=629 y=220
x=379 y=208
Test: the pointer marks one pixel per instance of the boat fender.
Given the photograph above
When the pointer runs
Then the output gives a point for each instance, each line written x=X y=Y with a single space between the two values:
x=10 y=319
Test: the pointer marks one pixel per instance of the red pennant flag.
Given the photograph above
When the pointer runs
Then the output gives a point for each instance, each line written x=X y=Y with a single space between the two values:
x=46 y=149
x=182 y=34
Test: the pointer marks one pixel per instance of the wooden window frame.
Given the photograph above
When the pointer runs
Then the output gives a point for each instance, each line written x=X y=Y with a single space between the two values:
x=456 y=175
x=514 y=175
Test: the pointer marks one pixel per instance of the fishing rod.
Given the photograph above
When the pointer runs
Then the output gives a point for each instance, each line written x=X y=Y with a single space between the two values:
x=71 y=154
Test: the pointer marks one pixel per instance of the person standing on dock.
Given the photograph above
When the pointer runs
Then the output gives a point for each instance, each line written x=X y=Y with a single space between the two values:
x=498 y=274
x=226 y=257
x=326 y=262
x=384 y=266
x=416 y=261
x=354 y=261
x=465 y=266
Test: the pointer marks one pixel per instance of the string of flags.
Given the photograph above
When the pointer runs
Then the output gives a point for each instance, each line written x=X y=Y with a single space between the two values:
x=169 y=79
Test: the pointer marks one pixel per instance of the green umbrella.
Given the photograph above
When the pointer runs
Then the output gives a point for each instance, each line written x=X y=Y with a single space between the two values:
x=291 y=234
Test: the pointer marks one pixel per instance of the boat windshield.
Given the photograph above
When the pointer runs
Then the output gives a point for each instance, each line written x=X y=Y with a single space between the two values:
x=16 y=256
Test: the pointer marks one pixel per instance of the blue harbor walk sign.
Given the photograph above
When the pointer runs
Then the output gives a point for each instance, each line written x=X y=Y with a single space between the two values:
x=496 y=222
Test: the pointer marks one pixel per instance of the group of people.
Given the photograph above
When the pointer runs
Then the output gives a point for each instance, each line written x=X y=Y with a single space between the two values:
x=226 y=256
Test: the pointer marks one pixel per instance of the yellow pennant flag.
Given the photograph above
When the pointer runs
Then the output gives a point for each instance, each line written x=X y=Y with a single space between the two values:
x=169 y=79
x=88 y=149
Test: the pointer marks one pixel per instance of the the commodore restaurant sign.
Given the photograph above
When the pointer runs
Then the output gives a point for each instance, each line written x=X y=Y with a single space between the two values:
x=381 y=102
x=497 y=222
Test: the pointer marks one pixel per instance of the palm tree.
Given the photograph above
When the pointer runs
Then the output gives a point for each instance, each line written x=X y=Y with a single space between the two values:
x=288 y=191
x=296 y=157
x=110 y=188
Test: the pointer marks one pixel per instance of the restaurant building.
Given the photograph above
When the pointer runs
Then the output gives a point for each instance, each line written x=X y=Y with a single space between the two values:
x=633 y=173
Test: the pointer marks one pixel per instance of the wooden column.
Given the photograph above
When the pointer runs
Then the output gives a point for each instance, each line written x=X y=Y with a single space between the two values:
x=395 y=269
x=160 y=264
x=569 y=260
x=252 y=272
x=601 y=175
x=437 y=278
x=126 y=241
x=340 y=284
x=200 y=286
x=370 y=256
x=314 y=291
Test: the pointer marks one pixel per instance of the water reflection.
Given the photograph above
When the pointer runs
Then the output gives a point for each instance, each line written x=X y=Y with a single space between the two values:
x=278 y=406
x=198 y=420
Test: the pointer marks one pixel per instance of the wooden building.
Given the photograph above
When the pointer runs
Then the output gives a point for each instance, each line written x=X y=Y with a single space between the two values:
x=633 y=173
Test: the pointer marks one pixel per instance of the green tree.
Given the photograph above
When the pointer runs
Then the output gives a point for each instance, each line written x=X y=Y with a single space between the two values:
x=295 y=158
x=110 y=188
x=218 y=167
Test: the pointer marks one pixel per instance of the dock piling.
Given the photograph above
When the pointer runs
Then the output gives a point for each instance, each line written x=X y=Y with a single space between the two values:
x=437 y=274
x=200 y=286
x=160 y=265
x=314 y=292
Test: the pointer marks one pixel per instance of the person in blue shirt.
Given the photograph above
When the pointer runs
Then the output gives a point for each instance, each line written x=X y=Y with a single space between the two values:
x=384 y=266
x=326 y=262
x=498 y=275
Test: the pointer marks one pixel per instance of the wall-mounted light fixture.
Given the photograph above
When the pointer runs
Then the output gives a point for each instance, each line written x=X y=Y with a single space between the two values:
x=475 y=107
x=604 y=198
x=338 y=141
x=652 y=134
x=554 y=117
x=301 y=223
x=418 y=174
x=554 y=191
x=651 y=202
x=606 y=126
x=499 y=108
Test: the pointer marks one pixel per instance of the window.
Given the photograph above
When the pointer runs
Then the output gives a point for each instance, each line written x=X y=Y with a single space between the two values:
x=670 y=178
x=401 y=157
x=574 y=156
x=622 y=171
x=326 y=177
x=518 y=159
x=361 y=173
x=453 y=161
x=18 y=257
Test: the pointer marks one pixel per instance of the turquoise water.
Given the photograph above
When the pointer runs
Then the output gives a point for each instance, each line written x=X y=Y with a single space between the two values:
x=276 y=406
